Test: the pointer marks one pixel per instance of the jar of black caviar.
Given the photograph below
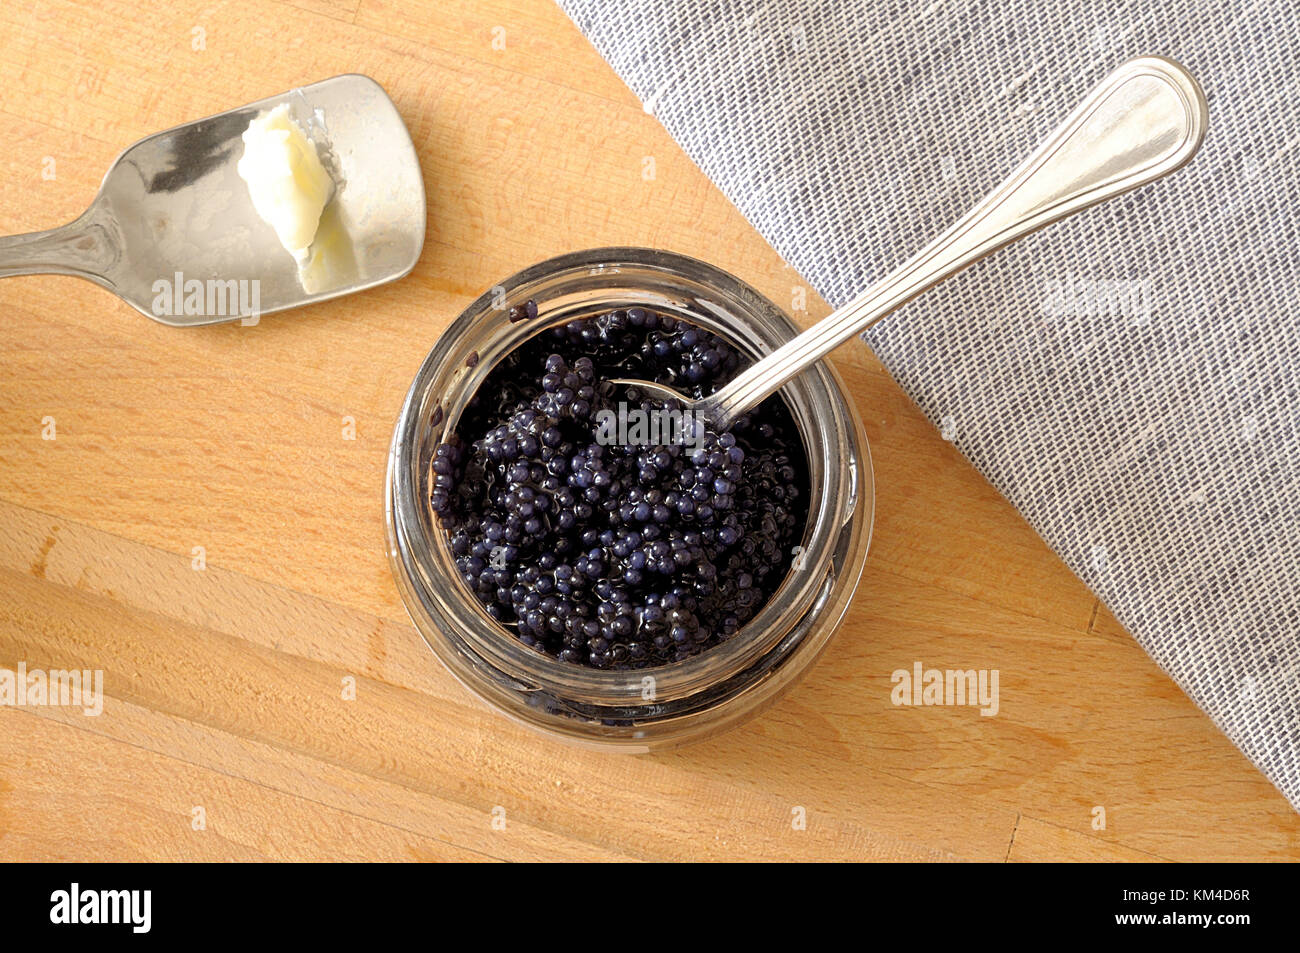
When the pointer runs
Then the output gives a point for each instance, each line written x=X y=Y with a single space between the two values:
x=628 y=708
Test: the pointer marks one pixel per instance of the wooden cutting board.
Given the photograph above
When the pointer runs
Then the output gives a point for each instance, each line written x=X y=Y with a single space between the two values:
x=206 y=525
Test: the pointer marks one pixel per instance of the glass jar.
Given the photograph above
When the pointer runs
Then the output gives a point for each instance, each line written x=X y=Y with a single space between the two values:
x=633 y=710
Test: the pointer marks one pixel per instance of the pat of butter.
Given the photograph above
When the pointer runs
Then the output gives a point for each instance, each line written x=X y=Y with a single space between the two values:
x=286 y=180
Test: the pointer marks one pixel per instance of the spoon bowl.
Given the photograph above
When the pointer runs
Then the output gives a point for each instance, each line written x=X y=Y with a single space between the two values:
x=173 y=231
x=652 y=389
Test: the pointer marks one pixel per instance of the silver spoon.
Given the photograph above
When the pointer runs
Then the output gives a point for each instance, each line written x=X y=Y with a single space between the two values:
x=173 y=231
x=1145 y=120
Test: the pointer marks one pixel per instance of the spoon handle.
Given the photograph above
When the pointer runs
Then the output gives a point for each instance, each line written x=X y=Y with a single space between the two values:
x=1145 y=120
x=85 y=248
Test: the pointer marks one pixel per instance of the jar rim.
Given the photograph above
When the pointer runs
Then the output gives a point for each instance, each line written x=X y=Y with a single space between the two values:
x=417 y=545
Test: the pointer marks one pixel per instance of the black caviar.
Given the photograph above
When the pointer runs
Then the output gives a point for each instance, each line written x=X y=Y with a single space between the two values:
x=618 y=553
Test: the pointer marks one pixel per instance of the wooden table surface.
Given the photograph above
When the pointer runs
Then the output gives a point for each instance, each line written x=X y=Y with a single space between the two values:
x=225 y=732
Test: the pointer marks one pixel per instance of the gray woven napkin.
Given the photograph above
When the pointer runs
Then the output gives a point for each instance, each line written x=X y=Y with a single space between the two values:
x=1130 y=378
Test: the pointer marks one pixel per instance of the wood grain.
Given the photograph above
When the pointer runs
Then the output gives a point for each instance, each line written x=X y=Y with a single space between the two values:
x=225 y=684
